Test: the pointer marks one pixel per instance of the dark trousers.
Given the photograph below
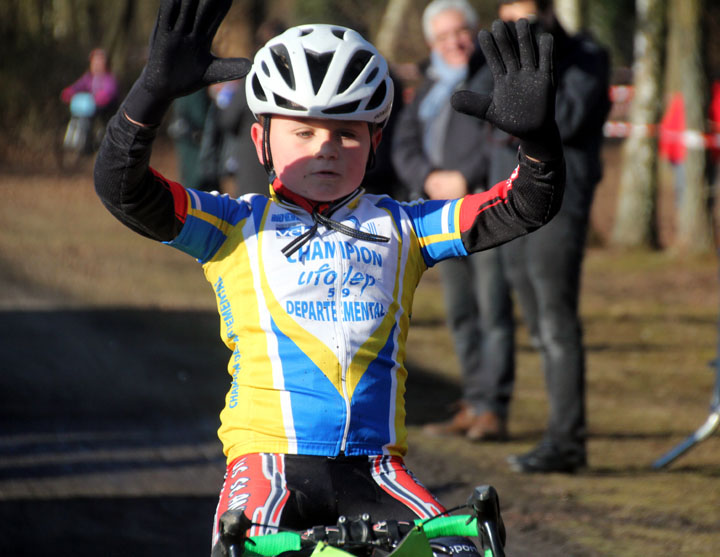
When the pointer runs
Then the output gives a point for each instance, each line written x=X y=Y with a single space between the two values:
x=544 y=269
x=480 y=317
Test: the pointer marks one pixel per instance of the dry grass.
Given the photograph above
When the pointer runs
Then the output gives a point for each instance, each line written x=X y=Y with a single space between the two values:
x=60 y=246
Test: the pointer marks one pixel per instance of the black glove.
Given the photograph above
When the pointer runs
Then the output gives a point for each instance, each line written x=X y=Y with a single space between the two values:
x=523 y=97
x=179 y=58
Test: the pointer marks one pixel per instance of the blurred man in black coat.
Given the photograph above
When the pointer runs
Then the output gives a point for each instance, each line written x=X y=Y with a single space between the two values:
x=544 y=268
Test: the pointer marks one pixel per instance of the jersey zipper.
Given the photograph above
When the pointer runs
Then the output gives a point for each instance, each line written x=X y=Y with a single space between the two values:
x=342 y=341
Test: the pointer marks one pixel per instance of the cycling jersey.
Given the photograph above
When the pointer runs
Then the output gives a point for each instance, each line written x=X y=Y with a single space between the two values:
x=318 y=336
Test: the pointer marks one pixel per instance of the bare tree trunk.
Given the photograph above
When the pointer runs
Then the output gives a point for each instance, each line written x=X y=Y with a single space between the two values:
x=694 y=222
x=673 y=51
x=30 y=16
x=635 y=224
x=571 y=14
x=11 y=28
x=82 y=23
x=62 y=17
x=117 y=43
x=390 y=32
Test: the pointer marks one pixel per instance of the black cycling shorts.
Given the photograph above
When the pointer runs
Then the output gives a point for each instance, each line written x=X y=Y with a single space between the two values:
x=299 y=491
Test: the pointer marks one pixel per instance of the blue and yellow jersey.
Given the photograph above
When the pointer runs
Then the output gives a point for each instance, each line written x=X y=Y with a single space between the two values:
x=317 y=338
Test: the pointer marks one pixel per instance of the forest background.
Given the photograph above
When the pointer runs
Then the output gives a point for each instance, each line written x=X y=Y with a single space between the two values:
x=657 y=47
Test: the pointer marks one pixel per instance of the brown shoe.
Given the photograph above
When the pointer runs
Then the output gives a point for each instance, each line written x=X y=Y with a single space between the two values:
x=459 y=424
x=487 y=426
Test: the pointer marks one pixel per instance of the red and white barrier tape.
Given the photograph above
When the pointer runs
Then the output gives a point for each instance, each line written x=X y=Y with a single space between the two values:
x=692 y=139
x=621 y=93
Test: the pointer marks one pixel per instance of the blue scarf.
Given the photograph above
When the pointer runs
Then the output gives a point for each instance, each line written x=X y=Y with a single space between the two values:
x=438 y=97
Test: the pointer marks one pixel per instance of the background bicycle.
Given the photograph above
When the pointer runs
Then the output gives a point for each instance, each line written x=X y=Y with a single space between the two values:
x=80 y=138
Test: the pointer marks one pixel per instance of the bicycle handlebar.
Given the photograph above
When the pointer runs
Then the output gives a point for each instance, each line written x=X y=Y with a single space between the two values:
x=274 y=544
x=484 y=522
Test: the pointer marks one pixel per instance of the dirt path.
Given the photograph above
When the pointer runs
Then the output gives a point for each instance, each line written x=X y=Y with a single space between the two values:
x=115 y=448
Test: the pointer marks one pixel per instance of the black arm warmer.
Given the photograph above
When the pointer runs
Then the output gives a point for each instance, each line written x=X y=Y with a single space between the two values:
x=534 y=199
x=127 y=187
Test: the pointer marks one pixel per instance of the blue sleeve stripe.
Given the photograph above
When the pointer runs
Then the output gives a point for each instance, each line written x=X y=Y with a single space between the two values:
x=199 y=239
x=437 y=228
x=210 y=219
x=445 y=229
x=222 y=225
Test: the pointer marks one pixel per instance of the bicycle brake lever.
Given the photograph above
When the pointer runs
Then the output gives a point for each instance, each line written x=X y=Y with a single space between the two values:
x=233 y=531
x=485 y=505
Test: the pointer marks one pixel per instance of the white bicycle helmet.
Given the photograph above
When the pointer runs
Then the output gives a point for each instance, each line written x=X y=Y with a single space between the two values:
x=320 y=71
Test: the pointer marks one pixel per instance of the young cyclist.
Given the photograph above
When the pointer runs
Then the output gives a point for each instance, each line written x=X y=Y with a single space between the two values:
x=314 y=283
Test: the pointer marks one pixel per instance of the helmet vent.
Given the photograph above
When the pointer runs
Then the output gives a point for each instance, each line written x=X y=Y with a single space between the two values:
x=282 y=102
x=265 y=68
x=378 y=97
x=354 y=67
x=347 y=108
x=257 y=89
x=281 y=57
x=372 y=75
x=339 y=33
x=305 y=32
x=318 y=65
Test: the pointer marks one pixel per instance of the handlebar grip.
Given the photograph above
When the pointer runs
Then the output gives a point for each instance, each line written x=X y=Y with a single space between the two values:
x=271 y=544
x=449 y=526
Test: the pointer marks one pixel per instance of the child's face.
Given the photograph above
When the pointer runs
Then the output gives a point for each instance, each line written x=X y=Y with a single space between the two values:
x=319 y=159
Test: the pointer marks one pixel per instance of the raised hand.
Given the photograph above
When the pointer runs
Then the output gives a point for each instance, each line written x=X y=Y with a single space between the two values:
x=523 y=96
x=179 y=59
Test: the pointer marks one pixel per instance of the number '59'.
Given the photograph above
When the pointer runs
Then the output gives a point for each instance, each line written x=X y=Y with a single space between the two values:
x=345 y=292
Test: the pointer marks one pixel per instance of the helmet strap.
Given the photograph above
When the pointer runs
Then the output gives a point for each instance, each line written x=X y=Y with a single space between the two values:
x=371 y=159
x=371 y=155
x=267 y=155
